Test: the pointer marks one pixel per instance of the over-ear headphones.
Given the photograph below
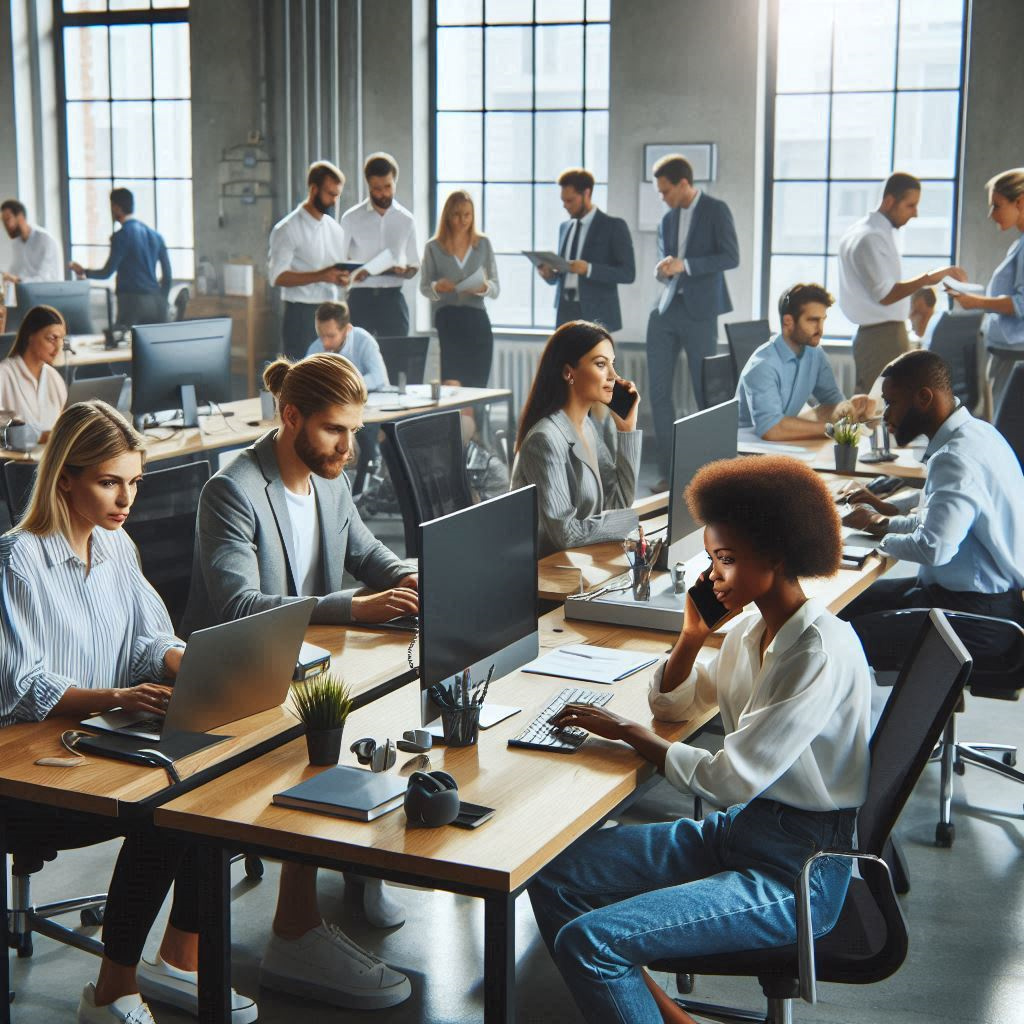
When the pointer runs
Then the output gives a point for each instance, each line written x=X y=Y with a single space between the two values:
x=432 y=799
x=379 y=758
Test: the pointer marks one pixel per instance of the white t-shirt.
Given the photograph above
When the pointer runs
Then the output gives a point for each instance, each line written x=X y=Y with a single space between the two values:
x=37 y=258
x=305 y=524
x=38 y=403
x=869 y=265
x=301 y=242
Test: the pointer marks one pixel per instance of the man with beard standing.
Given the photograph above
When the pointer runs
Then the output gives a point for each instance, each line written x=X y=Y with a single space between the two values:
x=377 y=224
x=964 y=534
x=276 y=525
x=304 y=248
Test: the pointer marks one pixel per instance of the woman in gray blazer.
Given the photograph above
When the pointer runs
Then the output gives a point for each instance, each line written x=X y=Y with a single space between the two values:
x=584 y=491
x=453 y=255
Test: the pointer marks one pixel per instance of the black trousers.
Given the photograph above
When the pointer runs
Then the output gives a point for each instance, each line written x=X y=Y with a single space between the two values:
x=298 y=328
x=141 y=308
x=149 y=861
x=467 y=344
x=381 y=311
x=887 y=643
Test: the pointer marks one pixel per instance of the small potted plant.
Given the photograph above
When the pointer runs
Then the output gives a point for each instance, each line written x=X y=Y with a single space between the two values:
x=846 y=434
x=322 y=704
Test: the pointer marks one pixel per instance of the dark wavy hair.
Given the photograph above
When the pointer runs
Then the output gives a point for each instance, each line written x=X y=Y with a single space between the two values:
x=36 y=319
x=779 y=505
x=550 y=390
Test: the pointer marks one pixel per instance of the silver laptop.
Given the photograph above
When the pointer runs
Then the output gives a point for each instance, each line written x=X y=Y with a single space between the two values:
x=106 y=389
x=228 y=672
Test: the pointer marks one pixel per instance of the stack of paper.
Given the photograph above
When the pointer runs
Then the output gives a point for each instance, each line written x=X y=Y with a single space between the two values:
x=589 y=663
x=964 y=287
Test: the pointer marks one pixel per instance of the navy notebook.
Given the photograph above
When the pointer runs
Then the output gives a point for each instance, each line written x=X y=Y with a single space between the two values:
x=346 y=792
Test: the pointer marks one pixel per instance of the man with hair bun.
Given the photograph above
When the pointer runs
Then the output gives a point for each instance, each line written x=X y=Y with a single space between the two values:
x=305 y=247
x=278 y=524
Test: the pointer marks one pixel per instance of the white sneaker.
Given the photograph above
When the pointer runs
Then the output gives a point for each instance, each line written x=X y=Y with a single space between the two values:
x=382 y=908
x=126 y=1010
x=165 y=983
x=326 y=964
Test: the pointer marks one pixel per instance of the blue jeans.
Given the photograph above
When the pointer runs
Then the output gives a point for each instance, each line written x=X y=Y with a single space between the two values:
x=621 y=898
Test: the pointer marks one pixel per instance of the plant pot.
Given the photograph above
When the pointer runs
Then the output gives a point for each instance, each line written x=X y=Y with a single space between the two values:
x=324 y=745
x=846 y=458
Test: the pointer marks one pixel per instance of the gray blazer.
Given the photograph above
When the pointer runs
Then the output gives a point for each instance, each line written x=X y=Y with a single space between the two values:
x=244 y=559
x=577 y=505
x=438 y=263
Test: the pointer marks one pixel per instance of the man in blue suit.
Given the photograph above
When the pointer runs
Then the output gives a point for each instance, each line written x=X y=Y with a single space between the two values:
x=599 y=251
x=696 y=245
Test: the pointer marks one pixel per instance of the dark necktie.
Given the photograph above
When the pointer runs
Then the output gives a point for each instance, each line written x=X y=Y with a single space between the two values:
x=575 y=240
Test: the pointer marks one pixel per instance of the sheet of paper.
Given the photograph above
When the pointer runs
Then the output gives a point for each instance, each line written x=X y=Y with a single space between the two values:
x=473 y=283
x=748 y=442
x=964 y=287
x=590 y=664
x=382 y=261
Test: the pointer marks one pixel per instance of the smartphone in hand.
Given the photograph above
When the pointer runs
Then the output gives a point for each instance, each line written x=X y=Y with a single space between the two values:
x=622 y=400
x=711 y=610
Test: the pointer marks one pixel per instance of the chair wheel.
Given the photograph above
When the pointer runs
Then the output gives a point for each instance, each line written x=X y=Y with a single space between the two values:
x=92 y=917
x=944 y=834
x=253 y=868
x=684 y=984
x=959 y=767
x=1010 y=759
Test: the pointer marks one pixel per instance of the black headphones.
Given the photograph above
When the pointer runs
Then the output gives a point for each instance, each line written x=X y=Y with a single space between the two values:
x=379 y=758
x=432 y=799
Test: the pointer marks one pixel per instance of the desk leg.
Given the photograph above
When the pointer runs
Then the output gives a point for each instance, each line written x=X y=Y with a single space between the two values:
x=499 y=959
x=214 y=935
x=5 y=971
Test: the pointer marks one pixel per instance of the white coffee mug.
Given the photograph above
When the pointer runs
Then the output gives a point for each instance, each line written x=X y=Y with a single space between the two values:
x=19 y=436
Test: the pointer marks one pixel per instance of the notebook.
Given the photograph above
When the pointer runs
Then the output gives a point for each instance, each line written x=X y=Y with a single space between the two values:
x=591 y=664
x=346 y=792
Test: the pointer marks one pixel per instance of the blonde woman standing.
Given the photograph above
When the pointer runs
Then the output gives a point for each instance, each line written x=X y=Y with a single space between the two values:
x=454 y=254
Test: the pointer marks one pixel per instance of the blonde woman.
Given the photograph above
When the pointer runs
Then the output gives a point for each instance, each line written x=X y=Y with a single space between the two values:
x=453 y=255
x=82 y=631
x=1003 y=300
x=29 y=385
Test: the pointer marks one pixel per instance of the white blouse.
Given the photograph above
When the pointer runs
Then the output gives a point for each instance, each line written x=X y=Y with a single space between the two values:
x=38 y=403
x=797 y=725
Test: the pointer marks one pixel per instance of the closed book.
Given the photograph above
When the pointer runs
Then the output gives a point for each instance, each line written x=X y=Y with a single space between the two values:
x=346 y=792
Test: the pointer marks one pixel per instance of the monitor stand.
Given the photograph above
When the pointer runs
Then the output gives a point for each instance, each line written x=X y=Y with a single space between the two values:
x=189 y=408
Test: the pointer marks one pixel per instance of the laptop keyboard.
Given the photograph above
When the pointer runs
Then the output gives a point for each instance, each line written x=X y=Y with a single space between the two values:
x=540 y=734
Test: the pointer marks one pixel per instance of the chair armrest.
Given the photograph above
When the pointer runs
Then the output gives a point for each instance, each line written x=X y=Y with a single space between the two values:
x=804 y=924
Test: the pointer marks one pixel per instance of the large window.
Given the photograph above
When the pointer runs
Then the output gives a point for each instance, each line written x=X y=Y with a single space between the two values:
x=521 y=93
x=127 y=121
x=861 y=88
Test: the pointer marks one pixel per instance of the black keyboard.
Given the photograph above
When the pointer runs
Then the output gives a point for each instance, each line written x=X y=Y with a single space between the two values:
x=540 y=734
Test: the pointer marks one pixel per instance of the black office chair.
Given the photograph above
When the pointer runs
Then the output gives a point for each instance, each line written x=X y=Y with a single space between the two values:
x=425 y=459
x=745 y=337
x=6 y=341
x=958 y=340
x=18 y=480
x=163 y=525
x=1009 y=420
x=718 y=379
x=869 y=942
x=405 y=355
x=997 y=648
x=72 y=298
x=180 y=302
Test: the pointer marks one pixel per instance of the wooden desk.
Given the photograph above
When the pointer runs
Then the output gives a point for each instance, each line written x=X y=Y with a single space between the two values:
x=89 y=350
x=651 y=504
x=907 y=464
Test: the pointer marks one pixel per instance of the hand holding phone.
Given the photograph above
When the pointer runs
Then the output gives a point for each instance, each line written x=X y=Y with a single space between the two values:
x=624 y=398
x=702 y=593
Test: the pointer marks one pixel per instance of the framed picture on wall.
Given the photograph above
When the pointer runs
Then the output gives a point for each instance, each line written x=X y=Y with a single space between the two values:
x=702 y=155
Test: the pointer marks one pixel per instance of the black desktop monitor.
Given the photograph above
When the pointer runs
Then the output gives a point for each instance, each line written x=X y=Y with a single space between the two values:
x=179 y=365
x=696 y=441
x=69 y=298
x=478 y=593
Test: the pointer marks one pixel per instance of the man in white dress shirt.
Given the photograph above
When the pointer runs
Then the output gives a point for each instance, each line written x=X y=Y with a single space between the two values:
x=305 y=248
x=36 y=253
x=377 y=224
x=872 y=293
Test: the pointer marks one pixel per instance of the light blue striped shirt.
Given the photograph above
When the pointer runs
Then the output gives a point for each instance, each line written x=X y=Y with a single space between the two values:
x=61 y=628
x=965 y=534
x=363 y=352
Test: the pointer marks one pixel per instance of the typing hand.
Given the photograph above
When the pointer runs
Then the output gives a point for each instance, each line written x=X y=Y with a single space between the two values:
x=546 y=272
x=444 y=286
x=579 y=267
x=597 y=720
x=152 y=698
x=410 y=582
x=386 y=605
x=863 y=517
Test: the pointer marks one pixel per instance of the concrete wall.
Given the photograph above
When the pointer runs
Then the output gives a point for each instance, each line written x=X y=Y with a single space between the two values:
x=8 y=152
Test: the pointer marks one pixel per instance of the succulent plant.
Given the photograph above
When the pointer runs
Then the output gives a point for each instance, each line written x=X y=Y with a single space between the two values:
x=844 y=431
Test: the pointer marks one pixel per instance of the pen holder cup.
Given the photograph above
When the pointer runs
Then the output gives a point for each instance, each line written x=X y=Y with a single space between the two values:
x=642 y=582
x=460 y=726
x=846 y=458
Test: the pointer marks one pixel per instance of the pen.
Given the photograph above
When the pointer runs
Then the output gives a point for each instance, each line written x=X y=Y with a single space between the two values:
x=487 y=683
x=578 y=654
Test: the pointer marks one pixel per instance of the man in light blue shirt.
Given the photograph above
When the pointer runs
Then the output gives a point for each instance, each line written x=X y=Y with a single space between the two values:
x=785 y=372
x=336 y=333
x=966 y=534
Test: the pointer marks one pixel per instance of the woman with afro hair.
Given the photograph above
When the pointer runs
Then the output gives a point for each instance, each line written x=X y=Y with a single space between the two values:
x=793 y=689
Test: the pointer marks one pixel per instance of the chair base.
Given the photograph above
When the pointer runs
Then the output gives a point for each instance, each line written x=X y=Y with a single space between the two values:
x=779 y=1011
x=25 y=919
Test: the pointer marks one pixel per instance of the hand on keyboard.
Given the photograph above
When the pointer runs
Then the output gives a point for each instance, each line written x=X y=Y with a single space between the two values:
x=543 y=734
x=591 y=718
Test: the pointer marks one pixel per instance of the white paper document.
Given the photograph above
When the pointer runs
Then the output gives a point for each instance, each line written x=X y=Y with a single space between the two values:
x=964 y=287
x=473 y=283
x=590 y=664
x=382 y=261
x=747 y=443
x=551 y=259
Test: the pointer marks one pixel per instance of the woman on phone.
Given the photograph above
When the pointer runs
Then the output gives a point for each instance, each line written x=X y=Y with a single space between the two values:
x=29 y=385
x=794 y=691
x=82 y=631
x=453 y=255
x=584 y=491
